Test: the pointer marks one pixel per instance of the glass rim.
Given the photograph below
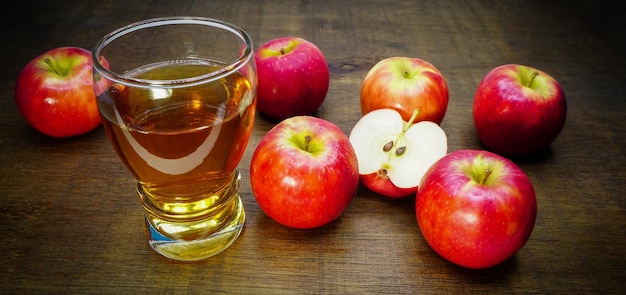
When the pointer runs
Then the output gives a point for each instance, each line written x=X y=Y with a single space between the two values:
x=244 y=57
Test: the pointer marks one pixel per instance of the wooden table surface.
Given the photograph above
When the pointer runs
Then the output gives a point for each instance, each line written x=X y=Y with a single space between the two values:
x=70 y=221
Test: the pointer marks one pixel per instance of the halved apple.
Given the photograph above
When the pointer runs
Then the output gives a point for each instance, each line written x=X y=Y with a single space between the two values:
x=394 y=154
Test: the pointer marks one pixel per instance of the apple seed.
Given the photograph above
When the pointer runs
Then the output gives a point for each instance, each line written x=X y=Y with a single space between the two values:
x=387 y=147
x=400 y=150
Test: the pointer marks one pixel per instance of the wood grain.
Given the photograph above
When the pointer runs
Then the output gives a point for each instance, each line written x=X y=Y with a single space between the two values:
x=71 y=223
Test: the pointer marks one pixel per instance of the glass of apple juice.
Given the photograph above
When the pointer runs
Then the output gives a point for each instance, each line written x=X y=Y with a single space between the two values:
x=177 y=96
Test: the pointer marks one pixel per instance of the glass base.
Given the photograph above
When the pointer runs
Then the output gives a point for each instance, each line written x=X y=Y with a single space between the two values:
x=194 y=230
x=184 y=240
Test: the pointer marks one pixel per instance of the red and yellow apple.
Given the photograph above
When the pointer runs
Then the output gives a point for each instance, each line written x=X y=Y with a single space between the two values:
x=394 y=154
x=54 y=93
x=476 y=208
x=304 y=172
x=293 y=77
x=518 y=110
x=406 y=84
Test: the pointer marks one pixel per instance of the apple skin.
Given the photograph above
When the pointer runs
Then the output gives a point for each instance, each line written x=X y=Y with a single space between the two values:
x=302 y=186
x=293 y=77
x=406 y=84
x=380 y=183
x=513 y=119
x=472 y=224
x=54 y=92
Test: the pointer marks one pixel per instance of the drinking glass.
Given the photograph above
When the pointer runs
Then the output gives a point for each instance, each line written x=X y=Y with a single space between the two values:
x=177 y=97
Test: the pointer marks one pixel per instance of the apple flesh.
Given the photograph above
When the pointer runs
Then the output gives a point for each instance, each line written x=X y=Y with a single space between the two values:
x=406 y=84
x=393 y=154
x=476 y=208
x=293 y=77
x=304 y=172
x=518 y=110
x=54 y=93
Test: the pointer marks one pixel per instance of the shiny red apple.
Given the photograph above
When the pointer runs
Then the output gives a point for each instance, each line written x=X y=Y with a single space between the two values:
x=476 y=208
x=54 y=92
x=293 y=77
x=394 y=154
x=518 y=110
x=406 y=84
x=304 y=172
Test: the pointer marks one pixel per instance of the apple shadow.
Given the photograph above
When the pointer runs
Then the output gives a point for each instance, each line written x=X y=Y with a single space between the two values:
x=538 y=156
x=533 y=157
x=272 y=230
x=406 y=203
x=267 y=118
x=38 y=138
x=275 y=121
x=495 y=274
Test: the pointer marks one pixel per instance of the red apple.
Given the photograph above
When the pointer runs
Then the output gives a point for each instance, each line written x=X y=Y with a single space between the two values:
x=518 y=110
x=476 y=208
x=406 y=84
x=304 y=172
x=393 y=154
x=293 y=77
x=54 y=93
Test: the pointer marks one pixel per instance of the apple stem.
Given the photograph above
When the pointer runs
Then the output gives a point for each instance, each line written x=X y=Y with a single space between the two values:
x=532 y=78
x=307 y=142
x=282 y=51
x=49 y=63
x=409 y=123
x=483 y=179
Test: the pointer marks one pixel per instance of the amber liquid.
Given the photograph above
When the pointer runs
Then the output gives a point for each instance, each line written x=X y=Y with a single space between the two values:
x=183 y=146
